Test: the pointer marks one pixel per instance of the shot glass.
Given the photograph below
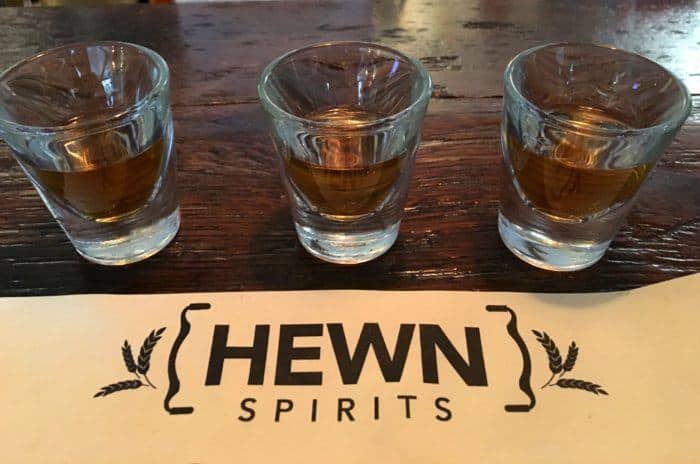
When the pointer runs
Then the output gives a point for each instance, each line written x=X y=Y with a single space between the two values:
x=346 y=121
x=90 y=125
x=583 y=126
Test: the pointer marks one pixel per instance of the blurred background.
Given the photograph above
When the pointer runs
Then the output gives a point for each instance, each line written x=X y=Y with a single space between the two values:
x=75 y=2
x=98 y=2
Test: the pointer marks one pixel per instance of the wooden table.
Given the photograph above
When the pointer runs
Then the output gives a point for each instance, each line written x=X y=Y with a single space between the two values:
x=237 y=231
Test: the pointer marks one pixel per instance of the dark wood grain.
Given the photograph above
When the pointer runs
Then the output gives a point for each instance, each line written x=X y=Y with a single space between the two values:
x=237 y=232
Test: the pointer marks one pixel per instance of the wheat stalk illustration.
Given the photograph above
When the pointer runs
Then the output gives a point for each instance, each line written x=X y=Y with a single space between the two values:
x=138 y=367
x=553 y=354
x=559 y=368
x=128 y=357
x=118 y=386
x=571 y=357
x=145 y=353
x=581 y=385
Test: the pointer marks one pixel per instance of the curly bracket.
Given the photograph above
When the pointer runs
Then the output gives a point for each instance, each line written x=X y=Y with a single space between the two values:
x=524 y=382
x=174 y=386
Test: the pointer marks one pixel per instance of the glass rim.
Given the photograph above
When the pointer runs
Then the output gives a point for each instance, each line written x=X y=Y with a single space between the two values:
x=272 y=107
x=674 y=120
x=109 y=121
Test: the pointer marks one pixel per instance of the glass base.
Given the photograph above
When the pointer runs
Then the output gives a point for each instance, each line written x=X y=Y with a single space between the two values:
x=537 y=249
x=138 y=245
x=345 y=247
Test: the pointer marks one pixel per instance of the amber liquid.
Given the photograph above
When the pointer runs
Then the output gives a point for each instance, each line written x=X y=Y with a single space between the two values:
x=108 y=192
x=573 y=181
x=346 y=180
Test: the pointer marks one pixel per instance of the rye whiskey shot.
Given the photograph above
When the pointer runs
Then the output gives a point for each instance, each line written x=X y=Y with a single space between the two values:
x=90 y=125
x=583 y=126
x=346 y=121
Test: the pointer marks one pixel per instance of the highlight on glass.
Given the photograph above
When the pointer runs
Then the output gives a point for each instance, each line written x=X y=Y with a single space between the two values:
x=90 y=124
x=346 y=119
x=583 y=126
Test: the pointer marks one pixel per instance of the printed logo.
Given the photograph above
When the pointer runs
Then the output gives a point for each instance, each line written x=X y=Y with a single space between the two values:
x=431 y=338
x=559 y=369
x=139 y=369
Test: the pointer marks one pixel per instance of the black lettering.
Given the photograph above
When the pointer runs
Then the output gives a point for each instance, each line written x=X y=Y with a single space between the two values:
x=220 y=352
x=439 y=405
x=288 y=406
x=408 y=399
x=248 y=409
x=287 y=353
x=376 y=408
x=342 y=408
x=371 y=336
x=314 y=409
x=432 y=336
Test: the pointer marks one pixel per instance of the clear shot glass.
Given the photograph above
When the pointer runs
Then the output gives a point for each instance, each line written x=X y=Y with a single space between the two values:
x=583 y=126
x=90 y=124
x=346 y=121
